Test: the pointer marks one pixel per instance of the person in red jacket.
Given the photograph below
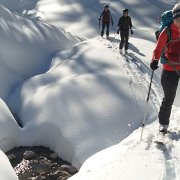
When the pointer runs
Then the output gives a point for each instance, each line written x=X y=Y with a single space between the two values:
x=171 y=70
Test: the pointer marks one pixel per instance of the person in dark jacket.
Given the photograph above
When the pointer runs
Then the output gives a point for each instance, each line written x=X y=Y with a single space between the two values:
x=171 y=70
x=105 y=18
x=125 y=25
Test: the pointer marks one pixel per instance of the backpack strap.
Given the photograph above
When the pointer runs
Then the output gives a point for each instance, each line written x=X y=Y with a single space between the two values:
x=169 y=34
x=163 y=58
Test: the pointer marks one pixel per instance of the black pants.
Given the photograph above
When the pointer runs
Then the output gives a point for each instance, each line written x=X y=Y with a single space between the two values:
x=169 y=82
x=107 y=29
x=124 y=39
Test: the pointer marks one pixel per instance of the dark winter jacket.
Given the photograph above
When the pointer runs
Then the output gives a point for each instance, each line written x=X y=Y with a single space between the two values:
x=106 y=17
x=125 y=23
x=173 y=49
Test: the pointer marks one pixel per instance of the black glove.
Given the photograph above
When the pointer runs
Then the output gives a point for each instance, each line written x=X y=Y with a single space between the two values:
x=131 y=31
x=154 y=65
x=117 y=31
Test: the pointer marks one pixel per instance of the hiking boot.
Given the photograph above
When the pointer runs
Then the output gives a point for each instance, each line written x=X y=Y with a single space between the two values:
x=163 y=129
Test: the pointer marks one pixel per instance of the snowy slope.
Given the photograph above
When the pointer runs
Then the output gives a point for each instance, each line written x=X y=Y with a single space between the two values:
x=61 y=13
x=91 y=97
x=81 y=17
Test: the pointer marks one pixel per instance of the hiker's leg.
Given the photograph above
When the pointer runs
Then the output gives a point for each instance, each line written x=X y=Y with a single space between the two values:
x=122 y=40
x=107 y=29
x=126 y=37
x=169 y=81
x=103 y=27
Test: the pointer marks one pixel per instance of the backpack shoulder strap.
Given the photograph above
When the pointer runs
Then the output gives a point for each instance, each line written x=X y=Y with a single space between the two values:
x=168 y=32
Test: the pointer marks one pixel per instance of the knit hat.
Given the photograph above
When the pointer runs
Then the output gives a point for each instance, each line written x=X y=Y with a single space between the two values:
x=176 y=11
x=125 y=10
x=106 y=6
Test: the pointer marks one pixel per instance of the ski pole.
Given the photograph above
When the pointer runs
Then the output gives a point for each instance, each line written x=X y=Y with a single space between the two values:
x=147 y=100
x=99 y=26
x=113 y=27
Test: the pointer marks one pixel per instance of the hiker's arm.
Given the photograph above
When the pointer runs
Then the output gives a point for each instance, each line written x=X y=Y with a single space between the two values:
x=118 y=26
x=130 y=23
x=119 y=23
x=160 y=45
x=101 y=15
x=111 y=19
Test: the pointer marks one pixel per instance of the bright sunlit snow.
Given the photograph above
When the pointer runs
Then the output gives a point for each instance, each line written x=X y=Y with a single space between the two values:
x=73 y=92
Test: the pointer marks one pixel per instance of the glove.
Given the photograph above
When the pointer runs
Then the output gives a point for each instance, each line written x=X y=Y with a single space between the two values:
x=99 y=19
x=117 y=31
x=131 y=31
x=154 y=64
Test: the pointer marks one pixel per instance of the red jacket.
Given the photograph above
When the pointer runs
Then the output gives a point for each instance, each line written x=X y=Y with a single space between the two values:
x=173 y=50
x=106 y=17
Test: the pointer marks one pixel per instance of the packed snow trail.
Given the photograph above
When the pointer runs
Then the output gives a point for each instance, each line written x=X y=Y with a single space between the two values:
x=139 y=73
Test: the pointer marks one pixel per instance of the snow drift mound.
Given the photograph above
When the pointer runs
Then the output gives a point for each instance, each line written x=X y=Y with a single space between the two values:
x=6 y=170
x=26 y=48
x=9 y=129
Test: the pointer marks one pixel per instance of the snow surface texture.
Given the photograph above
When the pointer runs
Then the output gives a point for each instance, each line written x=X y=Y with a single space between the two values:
x=86 y=98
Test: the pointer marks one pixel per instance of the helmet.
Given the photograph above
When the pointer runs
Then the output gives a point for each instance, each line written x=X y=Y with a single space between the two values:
x=125 y=10
x=106 y=6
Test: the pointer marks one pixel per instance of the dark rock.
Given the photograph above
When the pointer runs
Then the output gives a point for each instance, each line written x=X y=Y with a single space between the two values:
x=64 y=176
x=41 y=177
x=68 y=168
x=53 y=155
x=29 y=155
x=35 y=163
x=56 y=173
x=11 y=157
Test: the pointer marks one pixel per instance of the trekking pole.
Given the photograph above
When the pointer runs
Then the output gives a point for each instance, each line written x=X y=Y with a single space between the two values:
x=113 y=27
x=99 y=27
x=147 y=100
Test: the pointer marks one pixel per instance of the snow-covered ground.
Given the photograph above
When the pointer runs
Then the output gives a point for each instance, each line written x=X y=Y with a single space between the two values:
x=85 y=101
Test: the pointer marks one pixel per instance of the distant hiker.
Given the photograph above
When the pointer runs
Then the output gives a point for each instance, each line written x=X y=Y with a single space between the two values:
x=125 y=25
x=171 y=69
x=105 y=18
